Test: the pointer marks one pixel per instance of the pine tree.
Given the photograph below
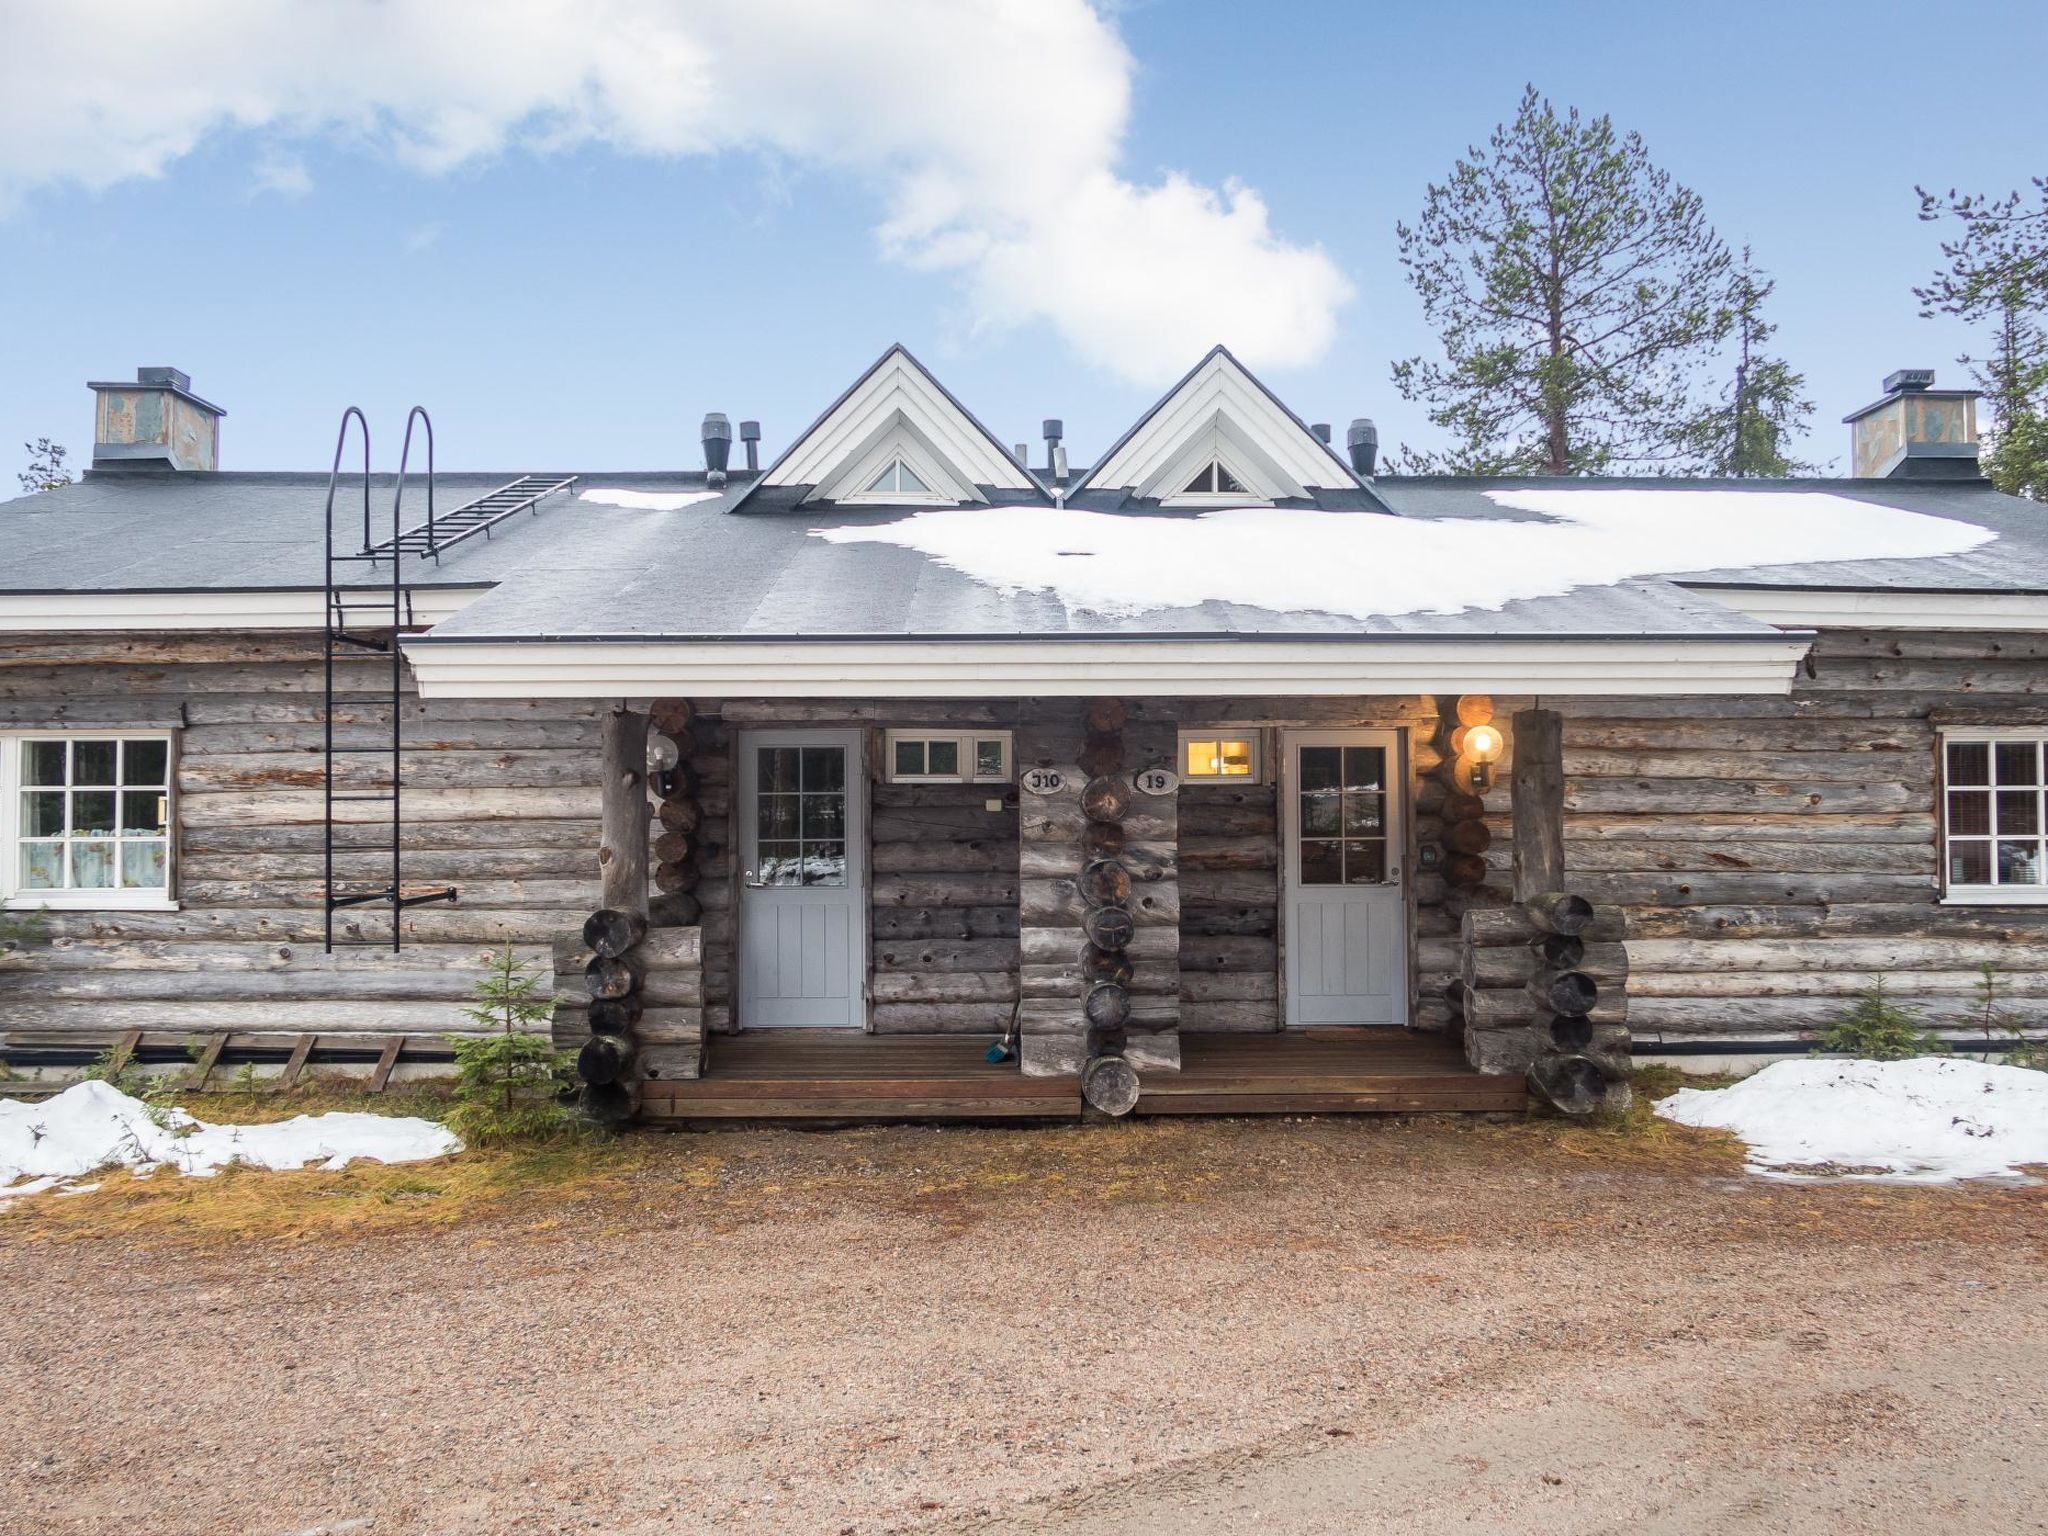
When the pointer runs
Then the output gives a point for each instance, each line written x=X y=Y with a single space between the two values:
x=46 y=469
x=1764 y=405
x=1997 y=273
x=1577 y=289
x=508 y=1080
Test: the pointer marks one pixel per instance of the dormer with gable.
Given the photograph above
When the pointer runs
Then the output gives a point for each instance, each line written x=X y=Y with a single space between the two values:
x=1221 y=438
x=897 y=438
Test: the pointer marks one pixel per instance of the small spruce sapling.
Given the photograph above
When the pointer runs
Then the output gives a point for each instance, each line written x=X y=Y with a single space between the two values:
x=508 y=1080
x=1998 y=1021
x=1880 y=1028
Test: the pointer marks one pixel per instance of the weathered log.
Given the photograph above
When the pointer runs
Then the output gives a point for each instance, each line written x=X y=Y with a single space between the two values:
x=611 y=977
x=1567 y=992
x=1106 y=965
x=1470 y=837
x=1102 y=839
x=674 y=847
x=1489 y=927
x=1105 y=883
x=676 y=909
x=611 y=933
x=679 y=813
x=1101 y=755
x=1559 y=951
x=1460 y=805
x=1571 y=1085
x=614 y=1015
x=1107 y=1005
x=608 y=1103
x=1107 y=716
x=1515 y=965
x=1538 y=796
x=1110 y=1084
x=1558 y=911
x=605 y=1059
x=671 y=876
x=1105 y=800
x=1109 y=928
x=1571 y=1032
x=671 y=715
x=622 y=839
x=1465 y=871
x=1474 y=709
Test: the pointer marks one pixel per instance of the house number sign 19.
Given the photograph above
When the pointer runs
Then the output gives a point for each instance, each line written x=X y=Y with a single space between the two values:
x=1043 y=781
x=1155 y=781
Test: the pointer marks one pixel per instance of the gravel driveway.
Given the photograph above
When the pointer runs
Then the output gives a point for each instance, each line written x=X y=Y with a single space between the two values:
x=1282 y=1326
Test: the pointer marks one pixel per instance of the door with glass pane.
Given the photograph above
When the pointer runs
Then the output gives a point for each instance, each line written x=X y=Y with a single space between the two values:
x=1343 y=919
x=803 y=881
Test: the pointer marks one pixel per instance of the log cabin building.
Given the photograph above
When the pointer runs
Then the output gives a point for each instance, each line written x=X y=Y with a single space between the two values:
x=905 y=777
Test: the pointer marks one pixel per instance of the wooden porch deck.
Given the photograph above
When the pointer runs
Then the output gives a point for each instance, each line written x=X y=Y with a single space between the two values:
x=796 y=1075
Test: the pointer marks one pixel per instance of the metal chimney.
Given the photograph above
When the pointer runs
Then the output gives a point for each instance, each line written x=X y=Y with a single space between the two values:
x=1053 y=431
x=1322 y=431
x=717 y=447
x=1362 y=438
x=750 y=434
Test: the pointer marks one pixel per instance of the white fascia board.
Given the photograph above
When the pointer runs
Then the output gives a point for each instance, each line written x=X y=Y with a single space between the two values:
x=86 y=612
x=898 y=385
x=1219 y=390
x=1808 y=608
x=1079 y=668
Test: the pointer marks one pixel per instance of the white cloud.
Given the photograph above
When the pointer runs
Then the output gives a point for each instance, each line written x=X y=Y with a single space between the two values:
x=285 y=175
x=990 y=129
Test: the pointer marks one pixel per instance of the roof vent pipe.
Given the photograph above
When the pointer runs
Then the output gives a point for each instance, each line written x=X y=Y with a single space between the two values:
x=1363 y=440
x=717 y=447
x=1322 y=432
x=1021 y=452
x=750 y=434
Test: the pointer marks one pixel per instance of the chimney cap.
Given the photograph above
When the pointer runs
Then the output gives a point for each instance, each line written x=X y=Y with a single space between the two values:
x=176 y=380
x=716 y=425
x=1362 y=441
x=1322 y=431
x=1908 y=378
x=750 y=431
x=1055 y=429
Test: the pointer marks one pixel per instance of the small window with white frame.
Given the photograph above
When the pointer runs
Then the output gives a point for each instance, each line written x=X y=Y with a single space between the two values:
x=946 y=757
x=86 y=819
x=1993 y=826
x=1222 y=754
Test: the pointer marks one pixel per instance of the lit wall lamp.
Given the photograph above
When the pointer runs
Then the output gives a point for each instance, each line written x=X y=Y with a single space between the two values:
x=1482 y=744
x=663 y=756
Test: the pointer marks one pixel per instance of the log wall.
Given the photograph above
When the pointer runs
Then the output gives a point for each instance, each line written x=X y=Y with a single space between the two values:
x=1770 y=856
x=501 y=800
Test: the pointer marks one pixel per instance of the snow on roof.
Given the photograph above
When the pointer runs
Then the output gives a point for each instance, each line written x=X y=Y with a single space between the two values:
x=646 y=501
x=1292 y=560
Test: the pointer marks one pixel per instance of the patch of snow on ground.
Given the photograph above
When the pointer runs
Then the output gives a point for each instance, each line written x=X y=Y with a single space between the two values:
x=1366 y=564
x=94 y=1125
x=647 y=501
x=1931 y=1119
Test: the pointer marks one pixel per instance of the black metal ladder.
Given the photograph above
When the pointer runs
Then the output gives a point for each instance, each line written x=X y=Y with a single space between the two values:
x=368 y=617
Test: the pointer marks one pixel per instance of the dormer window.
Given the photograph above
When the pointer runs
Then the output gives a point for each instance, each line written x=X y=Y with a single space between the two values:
x=1215 y=480
x=899 y=479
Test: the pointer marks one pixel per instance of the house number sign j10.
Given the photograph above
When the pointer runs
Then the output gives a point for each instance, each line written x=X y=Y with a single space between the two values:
x=1043 y=781
x=1155 y=781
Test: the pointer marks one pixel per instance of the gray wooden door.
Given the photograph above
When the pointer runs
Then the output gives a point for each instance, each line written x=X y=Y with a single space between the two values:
x=803 y=882
x=1344 y=917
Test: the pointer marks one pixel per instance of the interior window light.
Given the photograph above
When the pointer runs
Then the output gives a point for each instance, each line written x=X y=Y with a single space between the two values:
x=1219 y=756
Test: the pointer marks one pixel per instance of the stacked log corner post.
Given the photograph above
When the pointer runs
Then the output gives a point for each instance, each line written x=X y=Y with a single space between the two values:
x=1451 y=832
x=672 y=1028
x=1109 y=1082
x=607 y=1063
x=1544 y=982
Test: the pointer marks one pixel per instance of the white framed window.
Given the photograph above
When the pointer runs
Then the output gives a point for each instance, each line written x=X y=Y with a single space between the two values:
x=1993 y=828
x=899 y=479
x=1214 y=480
x=946 y=757
x=85 y=819
x=1223 y=754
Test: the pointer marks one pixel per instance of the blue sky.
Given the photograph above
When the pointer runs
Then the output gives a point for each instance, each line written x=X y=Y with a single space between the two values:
x=581 y=307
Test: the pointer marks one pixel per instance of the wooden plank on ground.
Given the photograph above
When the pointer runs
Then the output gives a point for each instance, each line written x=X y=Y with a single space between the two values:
x=385 y=1062
x=209 y=1057
x=297 y=1064
x=121 y=1050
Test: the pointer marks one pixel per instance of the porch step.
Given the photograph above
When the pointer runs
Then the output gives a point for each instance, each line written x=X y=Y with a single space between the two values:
x=1356 y=1071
